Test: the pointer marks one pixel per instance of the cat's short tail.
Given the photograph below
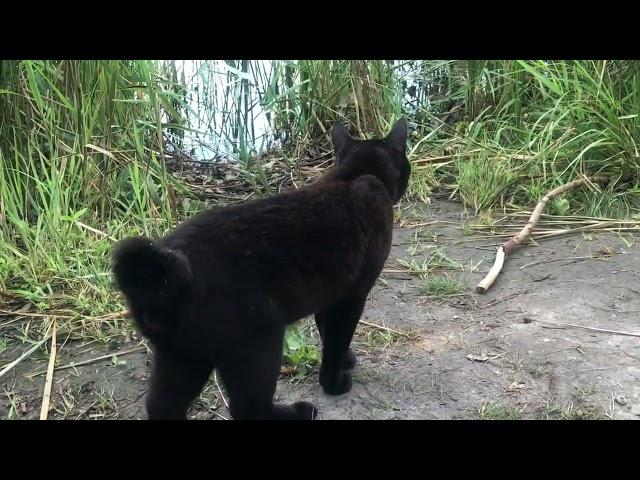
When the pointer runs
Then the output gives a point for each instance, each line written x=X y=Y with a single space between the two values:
x=155 y=280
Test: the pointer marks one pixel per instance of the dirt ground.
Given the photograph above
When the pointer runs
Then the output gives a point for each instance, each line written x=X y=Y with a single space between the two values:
x=501 y=355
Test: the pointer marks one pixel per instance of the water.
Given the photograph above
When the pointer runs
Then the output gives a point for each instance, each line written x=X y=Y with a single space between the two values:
x=219 y=96
x=227 y=116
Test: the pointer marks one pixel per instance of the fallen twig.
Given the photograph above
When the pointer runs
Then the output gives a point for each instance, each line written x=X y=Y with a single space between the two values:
x=40 y=315
x=221 y=416
x=381 y=327
x=89 y=361
x=507 y=247
x=628 y=354
x=11 y=365
x=95 y=230
x=46 y=396
x=407 y=271
x=101 y=318
x=408 y=224
x=215 y=379
x=588 y=257
x=594 y=329
x=109 y=316
x=584 y=228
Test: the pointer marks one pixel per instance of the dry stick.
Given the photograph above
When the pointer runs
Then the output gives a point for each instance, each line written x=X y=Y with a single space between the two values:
x=46 y=396
x=373 y=325
x=215 y=379
x=586 y=228
x=221 y=416
x=406 y=270
x=91 y=360
x=515 y=156
x=24 y=355
x=507 y=247
x=589 y=257
x=424 y=224
x=27 y=314
x=95 y=230
x=108 y=316
x=603 y=330
x=603 y=227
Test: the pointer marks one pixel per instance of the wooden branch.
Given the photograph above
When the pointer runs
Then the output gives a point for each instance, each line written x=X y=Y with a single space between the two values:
x=507 y=247
x=486 y=283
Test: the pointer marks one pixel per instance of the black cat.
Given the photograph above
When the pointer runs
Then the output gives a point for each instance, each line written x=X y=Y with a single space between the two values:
x=219 y=290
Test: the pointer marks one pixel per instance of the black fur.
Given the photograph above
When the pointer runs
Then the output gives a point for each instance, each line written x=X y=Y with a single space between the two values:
x=219 y=290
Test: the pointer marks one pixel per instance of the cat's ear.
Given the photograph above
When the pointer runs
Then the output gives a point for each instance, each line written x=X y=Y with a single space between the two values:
x=340 y=137
x=398 y=135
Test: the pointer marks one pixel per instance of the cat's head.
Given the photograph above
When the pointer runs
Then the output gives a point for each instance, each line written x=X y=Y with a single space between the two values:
x=385 y=158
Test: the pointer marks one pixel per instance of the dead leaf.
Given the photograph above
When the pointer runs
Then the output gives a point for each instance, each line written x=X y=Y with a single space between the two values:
x=288 y=370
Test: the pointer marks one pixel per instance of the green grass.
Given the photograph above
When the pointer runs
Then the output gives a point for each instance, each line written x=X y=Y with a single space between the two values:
x=442 y=287
x=422 y=182
x=298 y=352
x=533 y=125
x=495 y=411
x=569 y=411
x=14 y=401
x=582 y=391
x=436 y=260
x=482 y=182
x=381 y=338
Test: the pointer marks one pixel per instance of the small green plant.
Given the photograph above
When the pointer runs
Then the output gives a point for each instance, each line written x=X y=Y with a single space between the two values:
x=581 y=391
x=421 y=183
x=582 y=413
x=427 y=235
x=515 y=361
x=298 y=352
x=481 y=181
x=437 y=260
x=560 y=206
x=106 y=402
x=379 y=338
x=568 y=411
x=418 y=247
x=539 y=371
x=12 y=414
x=442 y=287
x=494 y=411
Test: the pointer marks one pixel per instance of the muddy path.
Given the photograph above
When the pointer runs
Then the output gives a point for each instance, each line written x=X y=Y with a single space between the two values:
x=507 y=354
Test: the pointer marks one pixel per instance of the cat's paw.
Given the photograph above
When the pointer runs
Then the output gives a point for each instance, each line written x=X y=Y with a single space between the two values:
x=305 y=410
x=343 y=385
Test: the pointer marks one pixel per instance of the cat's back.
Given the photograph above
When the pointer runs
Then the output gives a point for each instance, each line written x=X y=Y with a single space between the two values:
x=319 y=210
x=322 y=222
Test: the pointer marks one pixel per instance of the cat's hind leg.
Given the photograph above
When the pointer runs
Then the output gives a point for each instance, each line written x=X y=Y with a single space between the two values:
x=250 y=375
x=175 y=383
